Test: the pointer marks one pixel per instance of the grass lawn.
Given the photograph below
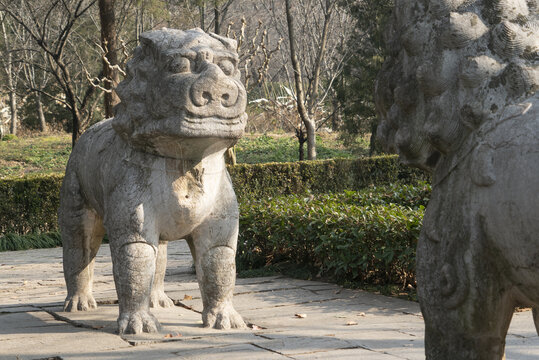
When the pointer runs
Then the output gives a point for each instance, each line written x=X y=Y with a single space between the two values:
x=263 y=148
x=36 y=154
x=48 y=154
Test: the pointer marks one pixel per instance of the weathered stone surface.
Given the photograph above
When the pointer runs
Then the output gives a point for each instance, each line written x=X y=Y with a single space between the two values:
x=37 y=335
x=346 y=354
x=291 y=345
x=458 y=97
x=240 y=352
x=156 y=172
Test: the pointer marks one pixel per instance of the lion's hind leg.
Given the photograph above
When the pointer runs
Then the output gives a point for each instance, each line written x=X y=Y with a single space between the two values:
x=158 y=297
x=82 y=232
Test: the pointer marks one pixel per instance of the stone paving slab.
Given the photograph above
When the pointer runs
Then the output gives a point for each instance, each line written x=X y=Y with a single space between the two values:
x=338 y=323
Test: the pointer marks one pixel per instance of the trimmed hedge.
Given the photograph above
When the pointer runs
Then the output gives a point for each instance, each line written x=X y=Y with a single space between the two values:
x=30 y=204
x=321 y=176
x=360 y=237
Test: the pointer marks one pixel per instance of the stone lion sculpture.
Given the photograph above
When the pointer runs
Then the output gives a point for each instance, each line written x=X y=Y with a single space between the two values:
x=156 y=172
x=457 y=96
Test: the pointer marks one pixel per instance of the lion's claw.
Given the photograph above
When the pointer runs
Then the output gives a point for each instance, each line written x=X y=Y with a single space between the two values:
x=224 y=318
x=137 y=322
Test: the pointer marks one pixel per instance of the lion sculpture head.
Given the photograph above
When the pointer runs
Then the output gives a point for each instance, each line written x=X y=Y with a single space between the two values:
x=453 y=66
x=181 y=88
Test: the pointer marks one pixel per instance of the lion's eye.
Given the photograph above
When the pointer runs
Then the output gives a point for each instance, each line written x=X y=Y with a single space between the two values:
x=180 y=65
x=227 y=66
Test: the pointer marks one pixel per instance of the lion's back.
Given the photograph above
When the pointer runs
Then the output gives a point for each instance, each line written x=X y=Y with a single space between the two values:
x=92 y=163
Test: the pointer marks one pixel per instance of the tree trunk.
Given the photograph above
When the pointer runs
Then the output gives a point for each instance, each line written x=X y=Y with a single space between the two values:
x=40 y=113
x=10 y=81
x=75 y=122
x=372 y=142
x=300 y=95
x=13 y=109
x=202 y=9
x=311 y=140
x=217 y=14
x=301 y=140
x=137 y=30
x=108 y=42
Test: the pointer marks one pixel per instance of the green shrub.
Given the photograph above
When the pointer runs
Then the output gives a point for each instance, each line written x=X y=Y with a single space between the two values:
x=29 y=204
x=9 y=137
x=407 y=195
x=12 y=242
x=365 y=237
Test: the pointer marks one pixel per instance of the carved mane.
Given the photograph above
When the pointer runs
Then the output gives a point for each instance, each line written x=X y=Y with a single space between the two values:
x=454 y=65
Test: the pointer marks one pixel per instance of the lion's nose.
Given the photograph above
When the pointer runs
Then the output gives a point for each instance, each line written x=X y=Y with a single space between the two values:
x=213 y=88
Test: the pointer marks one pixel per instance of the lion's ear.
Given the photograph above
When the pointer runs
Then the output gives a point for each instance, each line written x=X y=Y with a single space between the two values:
x=154 y=42
x=149 y=43
x=230 y=44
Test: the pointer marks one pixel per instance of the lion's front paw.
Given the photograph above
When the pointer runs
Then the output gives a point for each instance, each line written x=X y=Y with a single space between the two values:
x=160 y=299
x=82 y=302
x=224 y=318
x=137 y=322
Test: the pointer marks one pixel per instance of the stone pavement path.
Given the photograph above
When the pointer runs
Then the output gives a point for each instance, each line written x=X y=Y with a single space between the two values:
x=338 y=323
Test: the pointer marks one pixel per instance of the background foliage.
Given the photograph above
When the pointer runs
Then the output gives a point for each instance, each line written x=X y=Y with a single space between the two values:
x=361 y=237
x=355 y=88
x=30 y=204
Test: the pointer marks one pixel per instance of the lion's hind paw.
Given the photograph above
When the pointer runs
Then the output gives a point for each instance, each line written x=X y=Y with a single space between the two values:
x=160 y=299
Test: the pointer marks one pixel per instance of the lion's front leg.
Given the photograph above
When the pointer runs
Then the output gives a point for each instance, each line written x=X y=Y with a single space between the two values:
x=214 y=250
x=134 y=268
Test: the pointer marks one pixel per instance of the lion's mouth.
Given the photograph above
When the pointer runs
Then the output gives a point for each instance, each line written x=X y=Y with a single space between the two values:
x=194 y=119
x=211 y=126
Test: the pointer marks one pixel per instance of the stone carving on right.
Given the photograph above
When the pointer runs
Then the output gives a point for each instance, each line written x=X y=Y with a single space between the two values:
x=457 y=96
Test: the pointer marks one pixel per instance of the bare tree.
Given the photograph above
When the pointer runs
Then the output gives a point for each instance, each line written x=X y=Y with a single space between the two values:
x=300 y=94
x=320 y=30
x=208 y=18
x=220 y=11
x=51 y=24
x=255 y=54
x=36 y=79
x=11 y=67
